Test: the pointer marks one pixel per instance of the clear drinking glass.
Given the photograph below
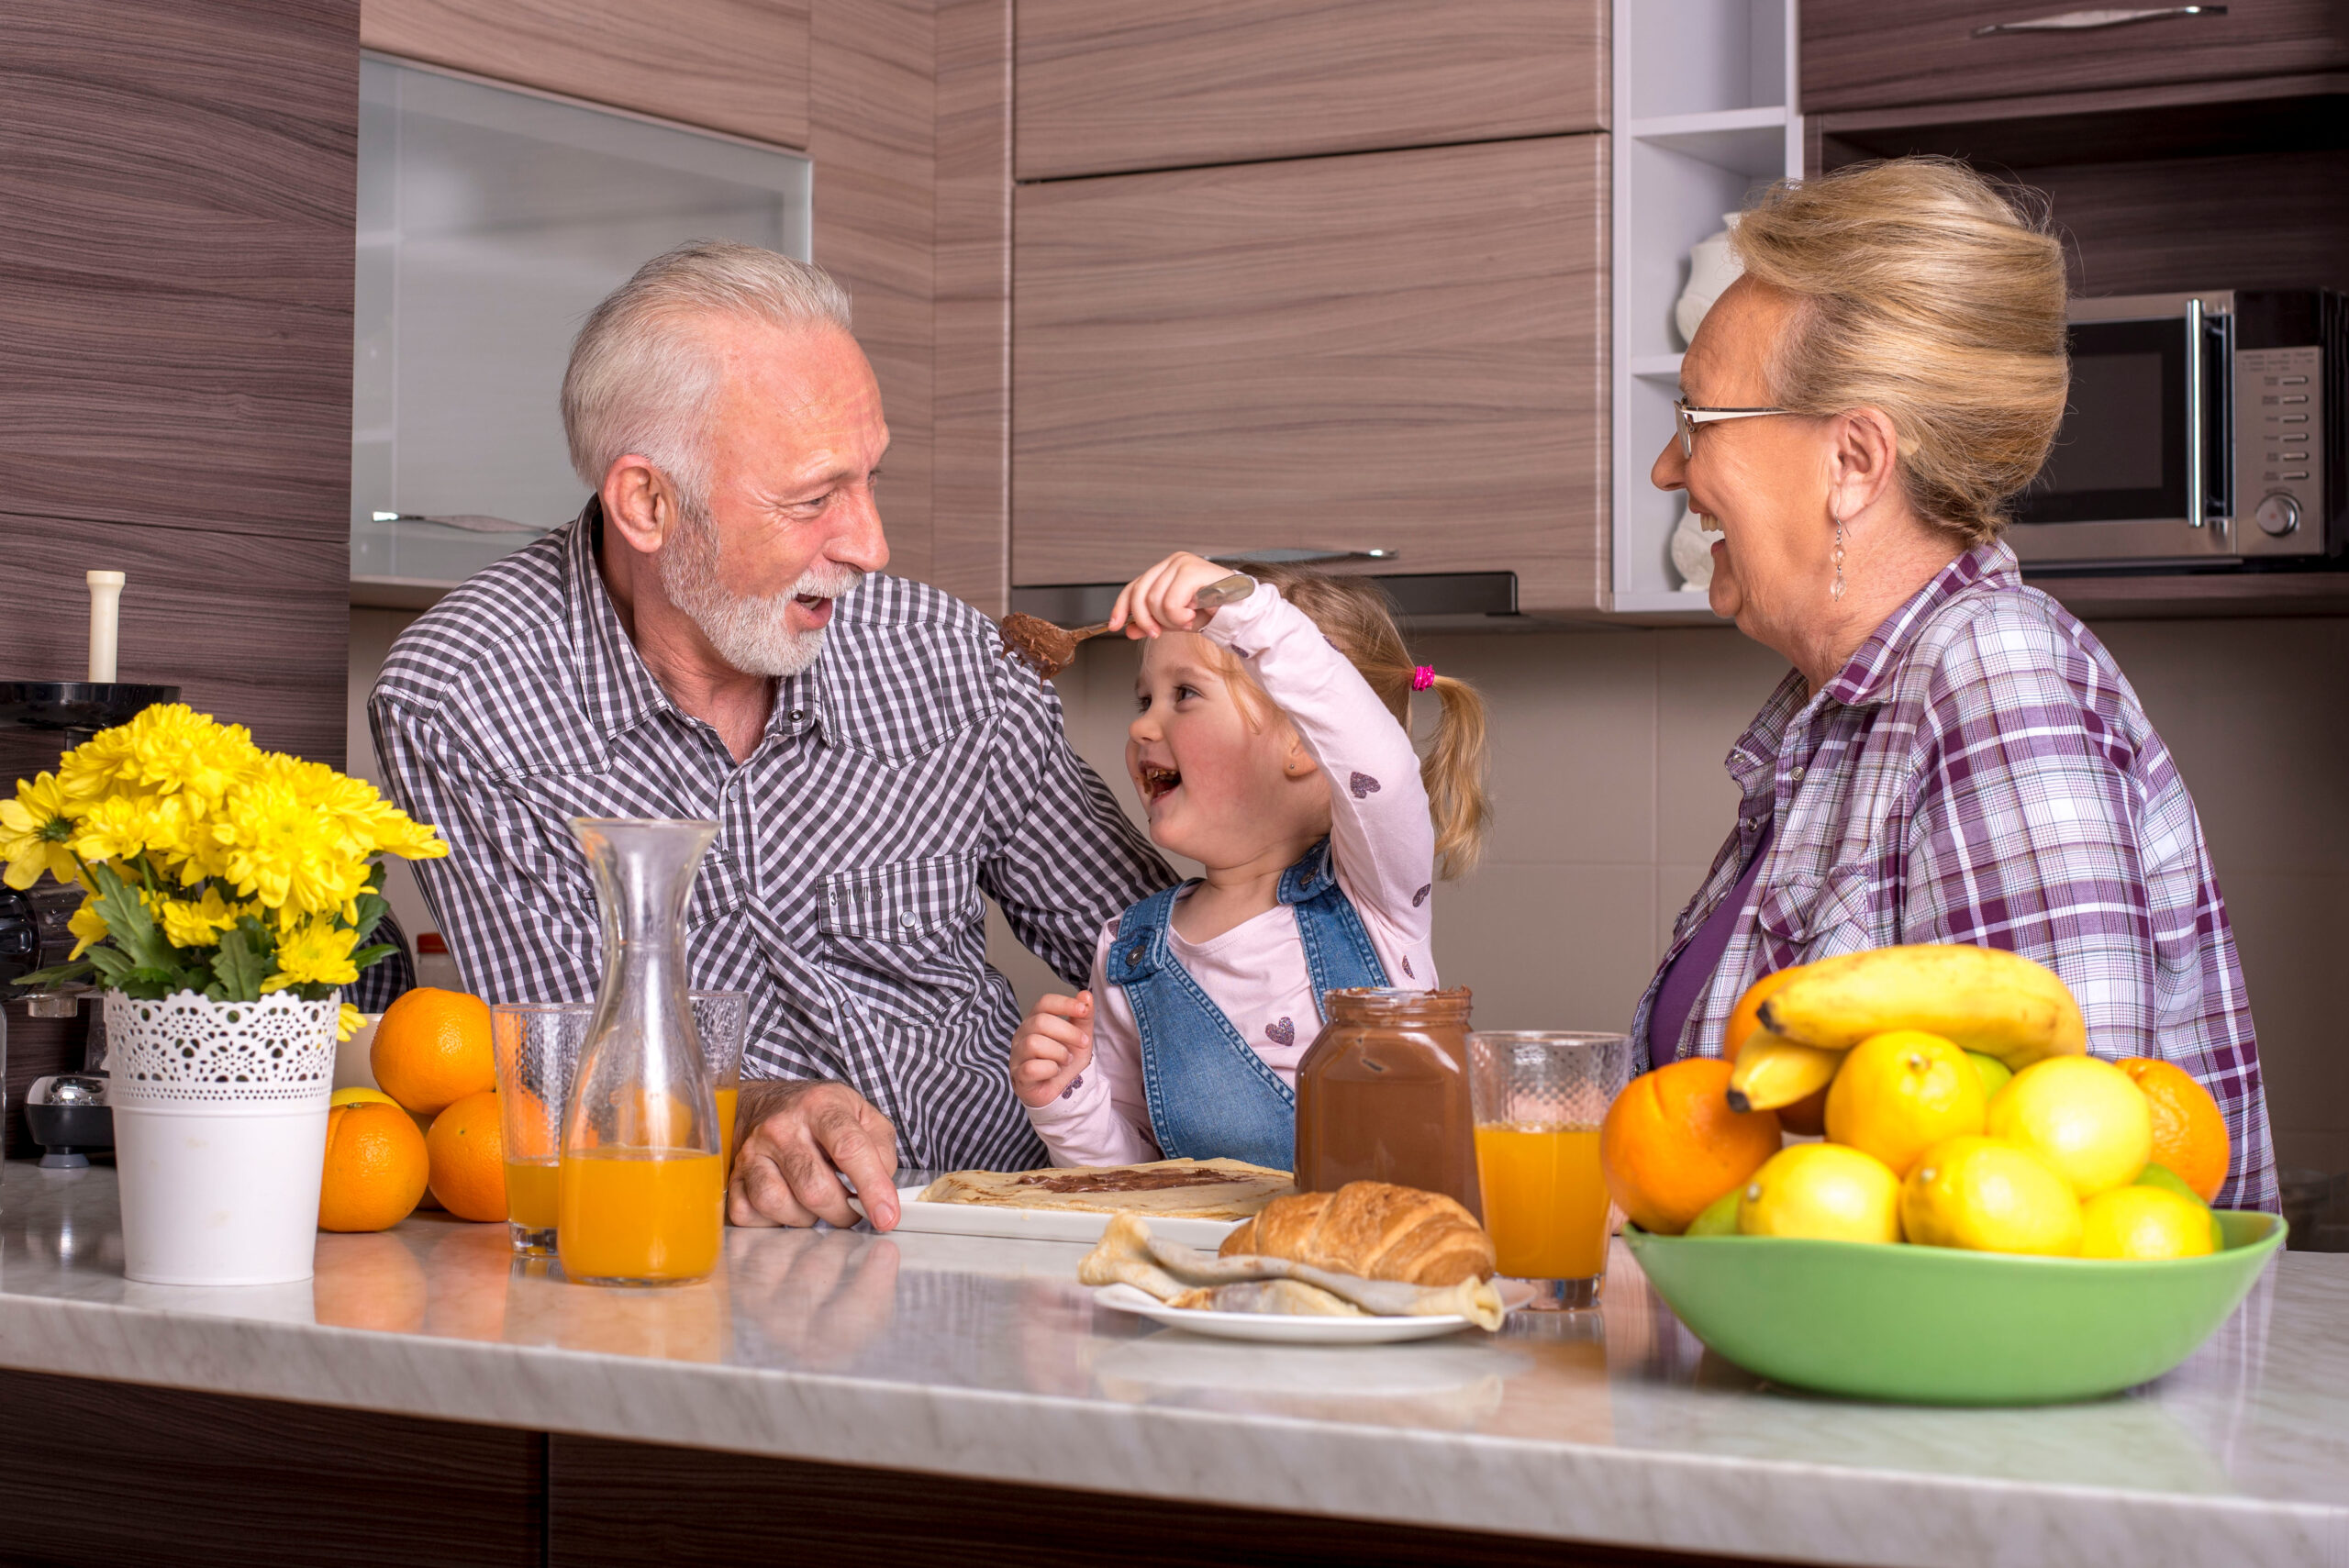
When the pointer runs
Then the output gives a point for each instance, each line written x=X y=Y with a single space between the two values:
x=723 y=1020
x=537 y=1046
x=643 y=1188
x=1539 y=1098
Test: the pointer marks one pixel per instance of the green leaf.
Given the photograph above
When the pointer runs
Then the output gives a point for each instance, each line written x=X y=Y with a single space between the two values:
x=371 y=908
x=111 y=965
x=367 y=956
x=56 y=974
x=128 y=926
x=242 y=962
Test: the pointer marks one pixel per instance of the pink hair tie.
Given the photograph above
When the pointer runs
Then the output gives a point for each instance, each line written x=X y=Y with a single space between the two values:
x=1422 y=677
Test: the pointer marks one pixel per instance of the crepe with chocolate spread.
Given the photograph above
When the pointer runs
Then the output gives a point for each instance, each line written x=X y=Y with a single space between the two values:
x=1171 y=1189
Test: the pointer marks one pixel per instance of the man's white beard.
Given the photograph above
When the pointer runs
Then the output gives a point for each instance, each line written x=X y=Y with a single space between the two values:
x=752 y=632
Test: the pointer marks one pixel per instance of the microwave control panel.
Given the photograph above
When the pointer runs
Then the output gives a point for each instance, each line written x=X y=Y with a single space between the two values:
x=2280 y=451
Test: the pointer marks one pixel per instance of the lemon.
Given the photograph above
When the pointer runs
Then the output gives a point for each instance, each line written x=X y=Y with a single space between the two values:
x=2081 y=1115
x=355 y=1095
x=1994 y=1072
x=1822 y=1191
x=2170 y=1181
x=1989 y=1196
x=2144 y=1222
x=1899 y=1093
x=1719 y=1218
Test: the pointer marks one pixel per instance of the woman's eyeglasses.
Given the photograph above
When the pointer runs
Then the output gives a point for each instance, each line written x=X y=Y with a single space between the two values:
x=1690 y=419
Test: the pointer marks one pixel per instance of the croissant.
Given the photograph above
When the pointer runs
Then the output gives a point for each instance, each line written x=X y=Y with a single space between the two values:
x=1373 y=1230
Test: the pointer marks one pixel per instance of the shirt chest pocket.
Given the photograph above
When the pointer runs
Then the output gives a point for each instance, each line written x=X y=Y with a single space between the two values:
x=1811 y=916
x=717 y=891
x=896 y=932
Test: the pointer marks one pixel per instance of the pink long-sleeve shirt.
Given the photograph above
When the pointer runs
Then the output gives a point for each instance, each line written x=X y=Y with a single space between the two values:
x=1382 y=849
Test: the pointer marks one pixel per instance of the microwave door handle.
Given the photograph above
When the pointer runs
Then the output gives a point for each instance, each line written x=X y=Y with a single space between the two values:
x=2194 y=414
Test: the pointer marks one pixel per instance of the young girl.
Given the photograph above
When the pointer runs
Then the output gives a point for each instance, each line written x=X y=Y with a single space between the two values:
x=1271 y=747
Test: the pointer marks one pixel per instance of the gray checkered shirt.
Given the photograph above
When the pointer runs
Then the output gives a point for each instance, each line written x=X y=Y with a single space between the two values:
x=907 y=772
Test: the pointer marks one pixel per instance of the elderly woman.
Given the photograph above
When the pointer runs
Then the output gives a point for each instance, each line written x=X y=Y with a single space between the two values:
x=1952 y=757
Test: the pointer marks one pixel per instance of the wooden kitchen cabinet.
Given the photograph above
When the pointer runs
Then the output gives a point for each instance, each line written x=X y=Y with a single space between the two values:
x=1862 y=54
x=732 y=65
x=1111 y=85
x=1399 y=351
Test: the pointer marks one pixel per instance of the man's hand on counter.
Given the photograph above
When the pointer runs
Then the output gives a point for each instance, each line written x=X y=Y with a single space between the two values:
x=803 y=1136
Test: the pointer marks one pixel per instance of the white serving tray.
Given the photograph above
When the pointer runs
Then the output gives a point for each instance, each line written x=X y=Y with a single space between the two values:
x=1039 y=1224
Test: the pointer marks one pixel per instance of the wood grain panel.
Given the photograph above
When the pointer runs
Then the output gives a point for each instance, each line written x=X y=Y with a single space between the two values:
x=872 y=137
x=1862 y=54
x=37 y=1047
x=1401 y=351
x=971 y=527
x=135 y=1477
x=2161 y=224
x=255 y=631
x=179 y=180
x=732 y=65
x=1106 y=86
x=613 y=1505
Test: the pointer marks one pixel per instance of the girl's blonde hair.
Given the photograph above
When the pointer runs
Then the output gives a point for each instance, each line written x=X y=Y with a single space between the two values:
x=1354 y=616
x=1921 y=289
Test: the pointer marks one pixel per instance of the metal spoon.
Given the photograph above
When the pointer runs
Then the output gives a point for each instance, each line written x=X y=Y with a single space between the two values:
x=1050 y=648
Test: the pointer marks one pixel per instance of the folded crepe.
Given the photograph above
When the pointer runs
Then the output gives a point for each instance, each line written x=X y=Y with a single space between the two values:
x=1129 y=1255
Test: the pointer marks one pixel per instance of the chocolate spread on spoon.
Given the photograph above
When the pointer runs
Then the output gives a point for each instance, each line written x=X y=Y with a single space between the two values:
x=1050 y=648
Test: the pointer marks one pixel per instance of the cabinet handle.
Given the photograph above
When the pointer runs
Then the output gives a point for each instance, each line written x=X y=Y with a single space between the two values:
x=1291 y=556
x=2092 y=21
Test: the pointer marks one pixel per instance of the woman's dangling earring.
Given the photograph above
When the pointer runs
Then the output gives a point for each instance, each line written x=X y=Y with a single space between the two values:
x=1837 y=590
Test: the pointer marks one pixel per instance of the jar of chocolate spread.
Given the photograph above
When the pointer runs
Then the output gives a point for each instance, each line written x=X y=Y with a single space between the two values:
x=1382 y=1095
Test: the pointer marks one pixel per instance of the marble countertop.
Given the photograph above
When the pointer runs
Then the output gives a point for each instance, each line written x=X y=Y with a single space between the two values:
x=985 y=1358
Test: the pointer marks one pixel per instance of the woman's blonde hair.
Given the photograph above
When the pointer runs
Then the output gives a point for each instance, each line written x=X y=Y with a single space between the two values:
x=1924 y=291
x=1354 y=616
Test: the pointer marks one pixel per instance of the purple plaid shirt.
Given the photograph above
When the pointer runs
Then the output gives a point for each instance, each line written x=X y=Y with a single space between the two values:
x=1980 y=771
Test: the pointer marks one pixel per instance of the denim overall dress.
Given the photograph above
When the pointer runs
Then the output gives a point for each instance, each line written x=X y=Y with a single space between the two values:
x=1210 y=1096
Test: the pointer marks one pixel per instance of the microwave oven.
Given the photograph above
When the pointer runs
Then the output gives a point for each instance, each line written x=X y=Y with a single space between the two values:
x=2203 y=430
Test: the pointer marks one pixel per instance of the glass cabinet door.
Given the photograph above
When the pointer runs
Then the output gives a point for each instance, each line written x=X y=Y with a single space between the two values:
x=491 y=221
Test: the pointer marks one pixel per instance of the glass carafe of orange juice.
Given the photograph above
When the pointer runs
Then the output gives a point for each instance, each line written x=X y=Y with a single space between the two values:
x=643 y=1183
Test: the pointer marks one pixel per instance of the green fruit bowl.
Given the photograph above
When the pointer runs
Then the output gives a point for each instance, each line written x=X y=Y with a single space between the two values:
x=1935 y=1326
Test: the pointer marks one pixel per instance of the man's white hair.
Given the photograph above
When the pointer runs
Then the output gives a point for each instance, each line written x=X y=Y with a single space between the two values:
x=641 y=375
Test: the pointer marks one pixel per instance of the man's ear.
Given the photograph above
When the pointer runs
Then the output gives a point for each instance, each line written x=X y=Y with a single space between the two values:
x=640 y=504
x=1861 y=464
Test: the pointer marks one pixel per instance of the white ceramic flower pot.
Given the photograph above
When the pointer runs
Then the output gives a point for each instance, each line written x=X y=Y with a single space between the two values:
x=220 y=1127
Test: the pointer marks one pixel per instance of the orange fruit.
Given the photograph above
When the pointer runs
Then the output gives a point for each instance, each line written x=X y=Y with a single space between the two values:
x=1746 y=1017
x=2189 y=1130
x=375 y=1167
x=432 y=1049
x=468 y=1150
x=1670 y=1144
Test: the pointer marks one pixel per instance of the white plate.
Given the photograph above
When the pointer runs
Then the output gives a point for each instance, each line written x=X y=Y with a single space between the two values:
x=1283 y=1328
x=1039 y=1224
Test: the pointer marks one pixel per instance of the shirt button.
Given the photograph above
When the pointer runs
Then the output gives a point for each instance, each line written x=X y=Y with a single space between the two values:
x=909 y=920
x=795 y=715
x=1799 y=774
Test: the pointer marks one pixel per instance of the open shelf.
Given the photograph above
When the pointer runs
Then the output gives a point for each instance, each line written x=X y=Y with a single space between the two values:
x=1706 y=92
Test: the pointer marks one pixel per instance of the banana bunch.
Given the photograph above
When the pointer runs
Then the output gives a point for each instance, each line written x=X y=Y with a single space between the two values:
x=1982 y=999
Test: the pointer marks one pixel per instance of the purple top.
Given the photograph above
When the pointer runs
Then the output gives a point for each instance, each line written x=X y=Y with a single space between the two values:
x=1691 y=973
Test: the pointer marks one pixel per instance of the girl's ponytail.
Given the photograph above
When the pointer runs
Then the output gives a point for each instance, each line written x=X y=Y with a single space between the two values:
x=1453 y=771
x=1354 y=616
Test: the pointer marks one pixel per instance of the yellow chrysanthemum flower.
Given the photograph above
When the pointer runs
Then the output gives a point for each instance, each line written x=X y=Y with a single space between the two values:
x=118 y=827
x=35 y=833
x=166 y=749
x=196 y=923
x=317 y=952
x=347 y=1023
x=87 y=925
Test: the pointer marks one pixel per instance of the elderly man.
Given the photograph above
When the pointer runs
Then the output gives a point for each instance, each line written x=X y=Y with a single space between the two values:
x=712 y=638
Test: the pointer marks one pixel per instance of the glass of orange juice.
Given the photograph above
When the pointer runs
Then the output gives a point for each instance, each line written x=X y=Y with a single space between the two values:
x=723 y=1020
x=537 y=1047
x=1538 y=1098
